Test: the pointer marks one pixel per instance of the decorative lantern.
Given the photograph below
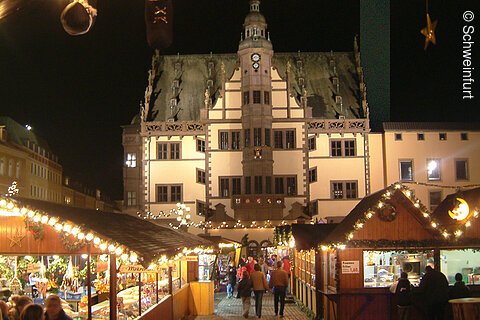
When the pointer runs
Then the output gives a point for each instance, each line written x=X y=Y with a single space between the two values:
x=78 y=17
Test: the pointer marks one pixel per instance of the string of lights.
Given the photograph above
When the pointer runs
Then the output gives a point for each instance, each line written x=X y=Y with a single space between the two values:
x=468 y=186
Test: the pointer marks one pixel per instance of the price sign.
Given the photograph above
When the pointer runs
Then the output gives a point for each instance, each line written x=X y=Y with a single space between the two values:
x=34 y=267
x=350 y=267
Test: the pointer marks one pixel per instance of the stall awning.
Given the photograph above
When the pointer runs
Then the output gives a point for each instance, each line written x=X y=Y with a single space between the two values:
x=147 y=239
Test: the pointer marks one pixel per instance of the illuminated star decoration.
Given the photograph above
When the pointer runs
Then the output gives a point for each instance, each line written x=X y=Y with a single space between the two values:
x=16 y=239
x=429 y=32
x=12 y=190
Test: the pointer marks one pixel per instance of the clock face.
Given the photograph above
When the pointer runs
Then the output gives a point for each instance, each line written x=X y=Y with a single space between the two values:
x=255 y=65
x=255 y=57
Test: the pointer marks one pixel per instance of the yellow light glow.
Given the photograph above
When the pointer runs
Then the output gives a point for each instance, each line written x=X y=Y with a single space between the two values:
x=58 y=227
x=324 y=248
x=89 y=237
x=67 y=228
x=52 y=221
x=3 y=203
x=458 y=233
x=37 y=219
x=111 y=248
x=124 y=257
x=10 y=206
x=468 y=224
x=31 y=214
x=75 y=231
x=133 y=257
x=103 y=246
x=44 y=219
x=24 y=211
x=461 y=211
x=96 y=240
x=425 y=215
x=445 y=234
x=81 y=236
x=434 y=224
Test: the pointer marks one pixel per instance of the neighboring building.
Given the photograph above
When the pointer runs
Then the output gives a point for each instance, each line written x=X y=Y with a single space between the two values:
x=434 y=159
x=253 y=137
x=27 y=159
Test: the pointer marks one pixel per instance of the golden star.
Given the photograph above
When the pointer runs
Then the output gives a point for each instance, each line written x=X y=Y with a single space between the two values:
x=16 y=239
x=429 y=32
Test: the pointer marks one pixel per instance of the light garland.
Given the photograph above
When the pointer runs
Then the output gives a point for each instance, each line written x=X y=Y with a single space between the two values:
x=66 y=227
x=409 y=194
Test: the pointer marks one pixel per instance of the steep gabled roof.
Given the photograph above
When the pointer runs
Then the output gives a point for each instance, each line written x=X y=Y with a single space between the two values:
x=147 y=239
x=370 y=204
x=442 y=216
x=318 y=70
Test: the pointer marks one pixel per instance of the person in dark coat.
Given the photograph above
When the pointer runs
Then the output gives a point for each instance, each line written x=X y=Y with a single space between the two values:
x=459 y=289
x=245 y=292
x=232 y=279
x=434 y=285
x=403 y=292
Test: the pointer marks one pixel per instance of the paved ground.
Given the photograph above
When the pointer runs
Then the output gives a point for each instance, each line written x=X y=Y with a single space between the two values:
x=232 y=309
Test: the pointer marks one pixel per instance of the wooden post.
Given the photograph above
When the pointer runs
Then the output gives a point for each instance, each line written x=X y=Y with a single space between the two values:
x=139 y=293
x=170 y=280
x=156 y=286
x=170 y=287
x=180 y=272
x=113 y=287
x=89 y=283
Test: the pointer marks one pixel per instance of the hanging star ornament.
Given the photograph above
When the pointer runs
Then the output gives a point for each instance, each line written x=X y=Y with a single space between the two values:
x=16 y=239
x=429 y=32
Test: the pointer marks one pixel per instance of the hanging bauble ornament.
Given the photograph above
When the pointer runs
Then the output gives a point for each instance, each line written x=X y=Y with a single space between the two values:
x=78 y=17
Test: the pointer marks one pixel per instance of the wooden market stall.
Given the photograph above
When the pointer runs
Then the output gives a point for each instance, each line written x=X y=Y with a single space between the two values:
x=308 y=268
x=135 y=264
x=388 y=232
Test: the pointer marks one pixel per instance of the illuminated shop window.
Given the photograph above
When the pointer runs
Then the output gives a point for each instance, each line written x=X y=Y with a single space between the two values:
x=433 y=169
x=131 y=161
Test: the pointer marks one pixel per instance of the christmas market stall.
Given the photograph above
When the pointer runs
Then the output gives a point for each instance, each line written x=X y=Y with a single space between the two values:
x=104 y=265
x=387 y=233
x=308 y=268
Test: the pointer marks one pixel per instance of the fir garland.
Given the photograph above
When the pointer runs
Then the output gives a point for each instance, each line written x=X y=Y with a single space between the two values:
x=70 y=244
x=36 y=228
x=400 y=244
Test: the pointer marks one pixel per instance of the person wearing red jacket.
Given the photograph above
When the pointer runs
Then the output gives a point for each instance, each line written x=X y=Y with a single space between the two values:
x=287 y=267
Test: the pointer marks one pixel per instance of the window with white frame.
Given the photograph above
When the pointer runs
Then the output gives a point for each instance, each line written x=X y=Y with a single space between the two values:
x=343 y=148
x=344 y=189
x=433 y=169
x=168 y=150
x=461 y=169
x=434 y=199
x=131 y=198
x=406 y=170
x=169 y=193
x=312 y=175
x=131 y=161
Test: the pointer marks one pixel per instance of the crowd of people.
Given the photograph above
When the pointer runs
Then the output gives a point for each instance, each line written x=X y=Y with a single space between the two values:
x=435 y=290
x=260 y=276
x=23 y=308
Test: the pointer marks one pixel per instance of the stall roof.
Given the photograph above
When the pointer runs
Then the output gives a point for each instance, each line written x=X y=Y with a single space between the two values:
x=308 y=236
x=147 y=239
x=471 y=196
x=370 y=202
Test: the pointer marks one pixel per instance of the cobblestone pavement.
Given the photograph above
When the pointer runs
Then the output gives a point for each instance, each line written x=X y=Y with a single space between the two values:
x=226 y=308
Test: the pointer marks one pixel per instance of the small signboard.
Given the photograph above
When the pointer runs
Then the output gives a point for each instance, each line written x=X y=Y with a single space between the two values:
x=34 y=267
x=350 y=267
x=190 y=258
x=135 y=268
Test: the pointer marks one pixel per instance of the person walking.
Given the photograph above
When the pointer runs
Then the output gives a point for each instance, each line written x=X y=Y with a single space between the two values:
x=434 y=286
x=245 y=292
x=20 y=303
x=32 y=312
x=54 y=310
x=287 y=267
x=459 y=289
x=403 y=292
x=260 y=285
x=232 y=279
x=279 y=283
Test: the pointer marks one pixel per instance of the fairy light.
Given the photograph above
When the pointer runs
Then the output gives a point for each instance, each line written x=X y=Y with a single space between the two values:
x=111 y=248
x=89 y=237
x=81 y=236
x=30 y=214
x=44 y=219
x=103 y=246
x=434 y=224
x=96 y=240
x=468 y=224
x=458 y=233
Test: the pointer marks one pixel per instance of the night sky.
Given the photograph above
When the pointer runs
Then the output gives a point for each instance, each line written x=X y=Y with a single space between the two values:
x=427 y=85
x=76 y=92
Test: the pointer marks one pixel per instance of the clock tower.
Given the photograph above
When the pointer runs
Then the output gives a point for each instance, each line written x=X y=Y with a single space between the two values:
x=255 y=54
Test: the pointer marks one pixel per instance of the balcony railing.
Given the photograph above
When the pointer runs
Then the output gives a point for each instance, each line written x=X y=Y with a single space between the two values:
x=159 y=128
x=338 y=126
